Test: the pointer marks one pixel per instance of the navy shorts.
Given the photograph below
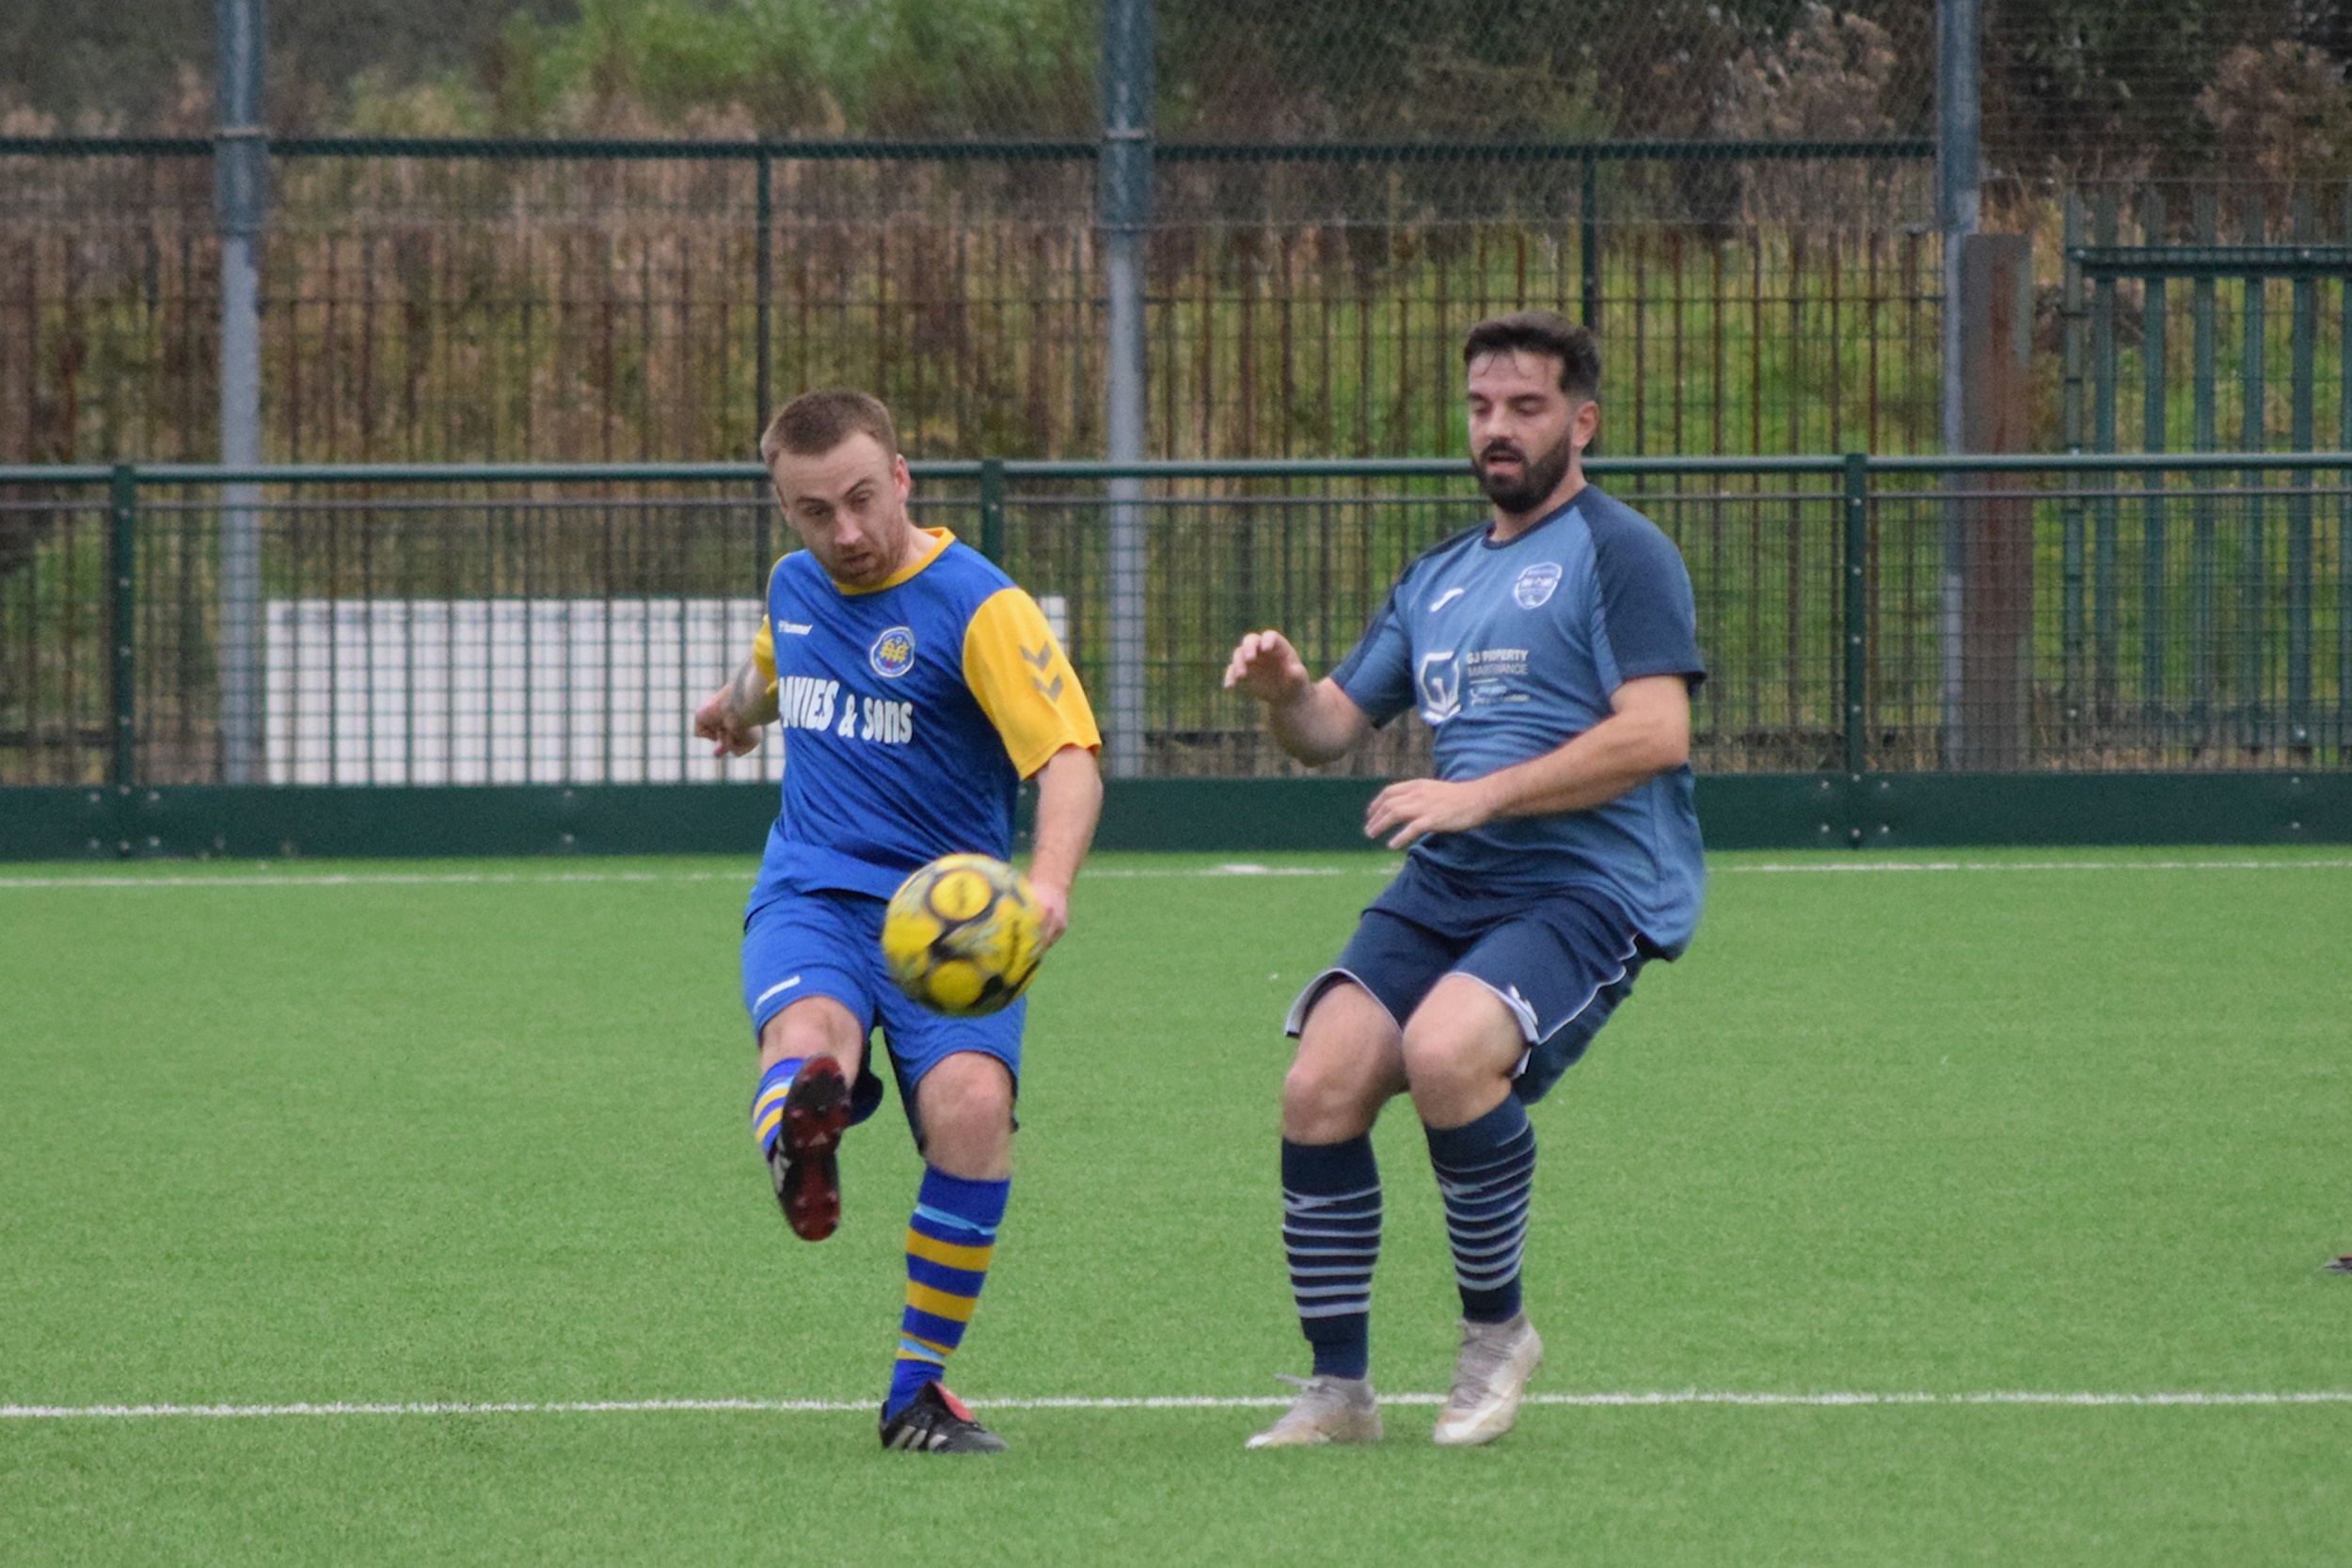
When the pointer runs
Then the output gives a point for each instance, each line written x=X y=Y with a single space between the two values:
x=1560 y=962
x=830 y=944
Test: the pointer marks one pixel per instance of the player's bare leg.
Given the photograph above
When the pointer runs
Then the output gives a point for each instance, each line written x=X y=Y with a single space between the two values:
x=816 y=1026
x=1460 y=1049
x=1350 y=1063
x=965 y=1104
x=809 y=1055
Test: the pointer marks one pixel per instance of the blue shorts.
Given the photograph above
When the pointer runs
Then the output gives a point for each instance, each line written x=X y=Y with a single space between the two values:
x=1560 y=961
x=830 y=944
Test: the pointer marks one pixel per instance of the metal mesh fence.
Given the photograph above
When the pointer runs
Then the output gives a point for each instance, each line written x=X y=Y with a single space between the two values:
x=900 y=196
x=55 y=674
x=2190 y=618
x=567 y=310
x=1309 y=71
x=2087 y=91
x=2072 y=89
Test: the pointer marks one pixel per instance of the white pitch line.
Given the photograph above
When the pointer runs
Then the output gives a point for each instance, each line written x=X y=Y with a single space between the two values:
x=367 y=879
x=1850 y=866
x=407 y=878
x=1827 y=865
x=1241 y=868
x=1653 y=1398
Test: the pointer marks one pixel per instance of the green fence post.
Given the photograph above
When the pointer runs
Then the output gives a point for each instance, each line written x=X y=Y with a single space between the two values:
x=2105 y=602
x=2254 y=554
x=2342 y=507
x=763 y=390
x=2204 y=622
x=992 y=510
x=121 y=572
x=1588 y=242
x=2071 y=316
x=2155 y=385
x=1856 y=618
x=764 y=267
x=2302 y=356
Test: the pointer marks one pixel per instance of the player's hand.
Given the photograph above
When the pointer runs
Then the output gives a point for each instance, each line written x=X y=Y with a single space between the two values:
x=1053 y=913
x=718 y=720
x=1268 y=667
x=1407 y=810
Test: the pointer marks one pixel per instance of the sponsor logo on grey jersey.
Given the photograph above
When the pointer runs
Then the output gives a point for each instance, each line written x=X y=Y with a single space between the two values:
x=1439 y=682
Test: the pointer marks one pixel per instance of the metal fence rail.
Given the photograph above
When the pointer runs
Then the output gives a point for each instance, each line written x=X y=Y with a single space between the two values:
x=556 y=624
x=460 y=300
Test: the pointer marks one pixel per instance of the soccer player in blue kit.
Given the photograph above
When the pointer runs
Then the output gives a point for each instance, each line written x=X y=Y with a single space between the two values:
x=1553 y=652
x=917 y=685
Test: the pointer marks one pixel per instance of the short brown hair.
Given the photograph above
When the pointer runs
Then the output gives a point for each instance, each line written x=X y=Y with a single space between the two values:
x=814 y=424
x=1541 y=332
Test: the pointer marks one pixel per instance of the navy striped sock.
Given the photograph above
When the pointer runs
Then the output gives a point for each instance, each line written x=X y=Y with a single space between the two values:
x=1331 y=1234
x=1486 y=1174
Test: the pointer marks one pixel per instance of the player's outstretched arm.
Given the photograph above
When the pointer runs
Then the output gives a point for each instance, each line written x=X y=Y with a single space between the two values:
x=733 y=714
x=1647 y=733
x=1313 y=721
x=1068 y=799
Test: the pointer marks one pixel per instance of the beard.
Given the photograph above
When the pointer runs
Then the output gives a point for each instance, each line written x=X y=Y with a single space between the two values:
x=1537 y=478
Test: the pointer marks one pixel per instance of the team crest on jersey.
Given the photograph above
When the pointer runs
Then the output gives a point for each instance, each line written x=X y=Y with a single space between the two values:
x=1536 y=585
x=1439 y=679
x=893 y=653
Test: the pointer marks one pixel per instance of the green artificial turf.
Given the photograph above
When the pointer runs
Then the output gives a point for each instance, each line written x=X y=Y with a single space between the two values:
x=464 y=1135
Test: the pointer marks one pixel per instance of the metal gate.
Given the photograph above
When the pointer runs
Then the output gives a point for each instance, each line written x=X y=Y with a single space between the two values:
x=2124 y=309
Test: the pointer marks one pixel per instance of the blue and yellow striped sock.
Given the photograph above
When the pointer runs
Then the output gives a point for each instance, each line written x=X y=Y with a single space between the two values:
x=768 y=1101
x=949 y=1244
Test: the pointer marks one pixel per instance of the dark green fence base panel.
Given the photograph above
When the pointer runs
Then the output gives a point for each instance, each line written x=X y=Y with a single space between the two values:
x=1911 y=810
x=1236 y=814
x=261 y=822
x=43 y=824
x=1775 y=811
x=1739 y=811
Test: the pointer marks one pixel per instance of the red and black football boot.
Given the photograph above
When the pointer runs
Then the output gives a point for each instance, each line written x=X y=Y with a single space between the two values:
x=936 y=1422
x=802 y=1159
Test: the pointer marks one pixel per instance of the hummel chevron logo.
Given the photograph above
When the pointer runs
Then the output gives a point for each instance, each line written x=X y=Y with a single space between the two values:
x=1043 y=658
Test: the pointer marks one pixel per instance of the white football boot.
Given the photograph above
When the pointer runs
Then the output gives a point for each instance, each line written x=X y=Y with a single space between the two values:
x=1327 y=1410
x=1489 y=1378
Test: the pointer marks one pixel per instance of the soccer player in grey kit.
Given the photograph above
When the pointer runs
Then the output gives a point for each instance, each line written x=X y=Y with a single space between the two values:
x=1552 y=651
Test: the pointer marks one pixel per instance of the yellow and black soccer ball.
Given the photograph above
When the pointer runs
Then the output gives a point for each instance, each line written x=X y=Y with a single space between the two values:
x=961 y=936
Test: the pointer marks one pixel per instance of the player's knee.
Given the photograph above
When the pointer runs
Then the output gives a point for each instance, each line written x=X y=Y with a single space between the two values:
x=965 y=1100
x=1324 y=1100
x=985 y=1107
x=795 y=1035
x=819 y=1027
x=1307 y=1090
x=1437 y=1053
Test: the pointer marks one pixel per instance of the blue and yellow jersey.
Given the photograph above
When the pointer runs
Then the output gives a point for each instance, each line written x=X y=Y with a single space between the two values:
x=910 y=714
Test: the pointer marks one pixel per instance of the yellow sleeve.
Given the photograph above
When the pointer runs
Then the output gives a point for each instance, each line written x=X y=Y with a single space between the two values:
x=1024 y=682
x=764 y=644
x=764 y=654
